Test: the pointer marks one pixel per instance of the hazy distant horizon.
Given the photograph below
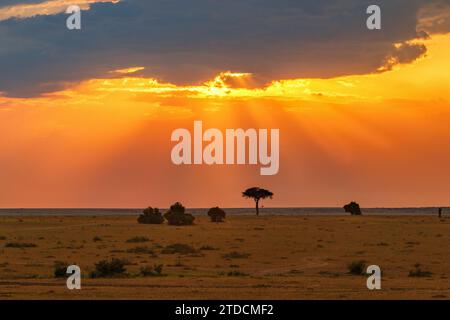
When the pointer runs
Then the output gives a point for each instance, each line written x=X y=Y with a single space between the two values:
x=233 y=207
x=230 y=211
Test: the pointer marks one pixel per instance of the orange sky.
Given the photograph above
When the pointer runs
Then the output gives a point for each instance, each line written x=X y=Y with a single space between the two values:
x=380 y=139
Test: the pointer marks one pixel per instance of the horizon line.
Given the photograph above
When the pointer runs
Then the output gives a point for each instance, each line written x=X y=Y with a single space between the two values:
x=261 y=208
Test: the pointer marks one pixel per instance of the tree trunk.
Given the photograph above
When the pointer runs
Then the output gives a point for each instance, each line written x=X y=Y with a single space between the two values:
x=257 y=207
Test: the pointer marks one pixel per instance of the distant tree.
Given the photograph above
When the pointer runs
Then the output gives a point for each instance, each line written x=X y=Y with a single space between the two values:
x=177 y=207
x=151 y=216
x=216 y=214
x=257 y=194
x=177 y=216
x=353 y=208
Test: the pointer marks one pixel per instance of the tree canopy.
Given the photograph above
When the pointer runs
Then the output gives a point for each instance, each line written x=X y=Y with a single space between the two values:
x=257 y=194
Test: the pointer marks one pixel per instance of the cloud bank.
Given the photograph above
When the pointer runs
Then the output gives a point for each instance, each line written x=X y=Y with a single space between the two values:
x=188 y=42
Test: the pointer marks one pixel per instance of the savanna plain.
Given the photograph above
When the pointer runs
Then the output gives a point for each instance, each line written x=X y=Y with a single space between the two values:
x=245 y=257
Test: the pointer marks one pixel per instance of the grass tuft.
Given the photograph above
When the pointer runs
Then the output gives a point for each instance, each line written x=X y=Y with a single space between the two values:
x=141 y=250
x=20 y=245
x=178 y=248
x=418 y=272
x=60 y=269
x=155 y=271
x=236 y=255
x=357 y=268
x=138 y=240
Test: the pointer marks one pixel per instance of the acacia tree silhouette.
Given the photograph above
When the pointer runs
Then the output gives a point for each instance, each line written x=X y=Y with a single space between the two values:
x=257 y=194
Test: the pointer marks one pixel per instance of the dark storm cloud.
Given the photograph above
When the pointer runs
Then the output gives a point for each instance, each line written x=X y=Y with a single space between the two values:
x=191 y=41
x=6 y=3
x=403 y=53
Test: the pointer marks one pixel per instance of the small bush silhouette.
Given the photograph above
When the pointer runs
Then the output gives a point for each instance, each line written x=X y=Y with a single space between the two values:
x=236 y=274
x=353 y=208
x=216 y=214
x=155 y=271
x=60 y=269
x=96 y=239
x=138 y=240
x=205 y=248
x=150 y=216
x=357 y=268
x=141 y=250
x=418 y=272
x=178 y=248
x=105 y=268
x=236 y=255
x=2 y=238
x=20 y=245
x=177 y=216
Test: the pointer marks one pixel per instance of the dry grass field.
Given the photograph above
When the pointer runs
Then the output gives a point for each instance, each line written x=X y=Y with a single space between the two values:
x=247 y=257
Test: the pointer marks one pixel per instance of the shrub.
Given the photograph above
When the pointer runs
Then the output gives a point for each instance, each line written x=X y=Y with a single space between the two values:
x=418 y=272
x=177 y=216
x=105 y=268
x=60 y=269
x=216 y=214
x=141 y=250
x=236 y=255
x=236 y=274
x=353 y=208
x=178 y=248
x=2 y=238
x=20 y=245
x=96 y=239
x=151 y=216
x=180 y=220
x=207 y=248
x=155 y=271
x=357 y=268
x=177 y=207
x=138 y=240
